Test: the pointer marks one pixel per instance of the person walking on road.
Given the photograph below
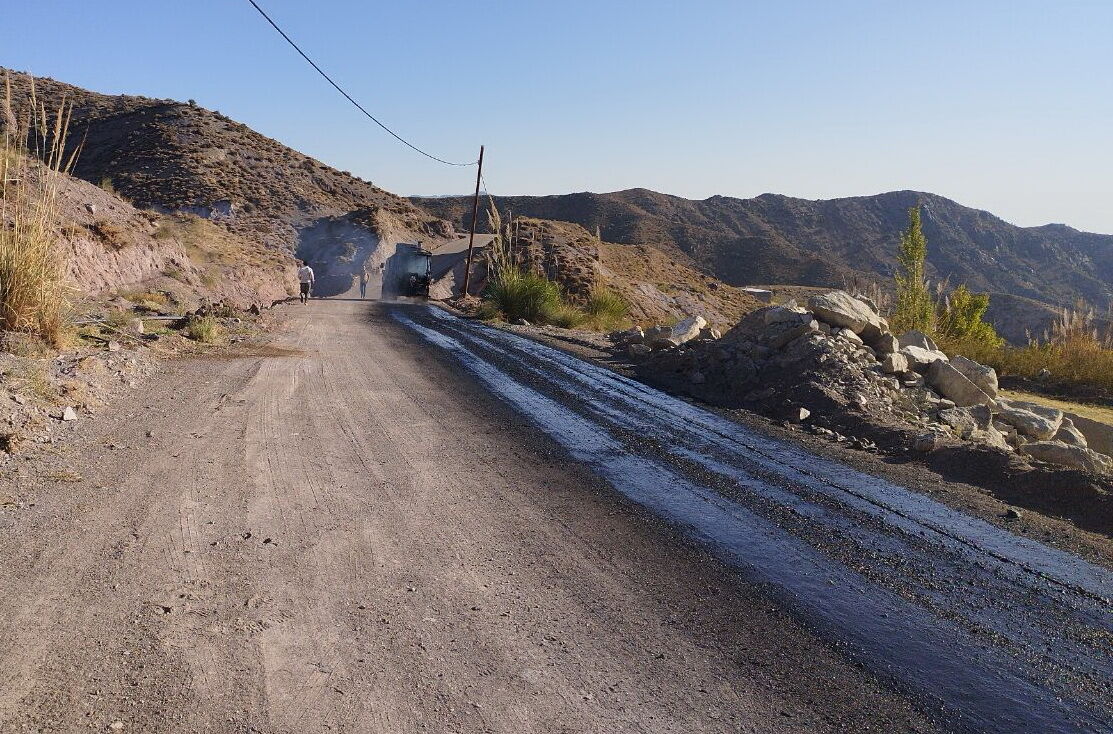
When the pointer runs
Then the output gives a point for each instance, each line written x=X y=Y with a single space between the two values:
x=305 y=279
x=364 y=276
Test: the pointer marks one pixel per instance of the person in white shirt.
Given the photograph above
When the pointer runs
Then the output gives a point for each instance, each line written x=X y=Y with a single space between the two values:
x=305 y=278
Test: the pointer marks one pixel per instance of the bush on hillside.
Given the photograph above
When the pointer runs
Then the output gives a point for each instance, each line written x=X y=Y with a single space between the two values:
x=517 y=294
x=605 y=309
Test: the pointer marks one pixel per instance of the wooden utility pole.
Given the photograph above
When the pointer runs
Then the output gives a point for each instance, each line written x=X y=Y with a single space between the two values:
x=474 y=222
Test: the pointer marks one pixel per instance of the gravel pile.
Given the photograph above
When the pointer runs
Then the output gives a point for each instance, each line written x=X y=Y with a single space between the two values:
x=834 y=365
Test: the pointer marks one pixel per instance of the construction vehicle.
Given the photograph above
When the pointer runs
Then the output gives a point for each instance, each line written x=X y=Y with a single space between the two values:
x=408 y=271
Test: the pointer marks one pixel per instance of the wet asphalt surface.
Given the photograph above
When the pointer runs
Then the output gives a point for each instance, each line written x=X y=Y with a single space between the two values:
x=998 y=632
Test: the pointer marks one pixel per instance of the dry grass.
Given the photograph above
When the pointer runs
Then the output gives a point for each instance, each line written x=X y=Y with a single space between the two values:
x=147 y=298
x=111 y=235
x=1099 y=413
x=203 y=329
x=33 y=296
x=1073 y=351
x=1077 y=362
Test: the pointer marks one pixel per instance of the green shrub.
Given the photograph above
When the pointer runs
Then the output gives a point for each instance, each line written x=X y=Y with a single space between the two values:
x=202 y=329
x=960 y=318
x=567 y=316
x=605 y=309
x=517 y=294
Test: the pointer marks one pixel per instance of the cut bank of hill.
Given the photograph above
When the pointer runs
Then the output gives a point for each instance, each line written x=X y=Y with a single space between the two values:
x=780 y=239
x=176 y=156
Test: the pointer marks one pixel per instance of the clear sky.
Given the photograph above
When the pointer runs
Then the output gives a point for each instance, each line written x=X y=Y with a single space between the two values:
x=1001 y=105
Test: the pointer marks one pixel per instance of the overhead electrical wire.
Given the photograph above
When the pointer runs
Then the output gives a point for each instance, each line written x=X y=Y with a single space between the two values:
x=349 y=97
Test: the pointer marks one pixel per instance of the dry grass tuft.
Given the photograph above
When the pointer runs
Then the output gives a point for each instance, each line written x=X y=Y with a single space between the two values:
x=33 y=296
x=203 y=329
x=110 y=234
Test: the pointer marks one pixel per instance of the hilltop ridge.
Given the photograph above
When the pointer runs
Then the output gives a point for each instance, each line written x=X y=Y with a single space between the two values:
x=773 y=238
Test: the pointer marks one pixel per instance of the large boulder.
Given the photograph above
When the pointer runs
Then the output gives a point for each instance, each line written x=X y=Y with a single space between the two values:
x=1099 y=436
x=839 y=308
x=1070 y=435
x=917 y=339
x=954 y=385
x=885 y=344
x=780 y=334
x=920 y=359
x=895 y=363
x=1030 y=419
x=982 y=376
x=1075 y=457
x=687 y=329
x=960 y=420
x=785 y=312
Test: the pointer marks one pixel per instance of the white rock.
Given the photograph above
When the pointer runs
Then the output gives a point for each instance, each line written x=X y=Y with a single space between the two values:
x=839 y=308
x=982 y=376
x=69 y=414
x=1075 y=457
x=917 y=339
x=1035 y=421
x=954 y=385
x=921 y=359
x=1099 y=436
x=894 y=363
x=885 y=344
x=1070 y=435
x=785 y=312
x=687 y=329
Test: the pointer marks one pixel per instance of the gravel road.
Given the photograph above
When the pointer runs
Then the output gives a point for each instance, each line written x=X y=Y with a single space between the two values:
x=393 y=520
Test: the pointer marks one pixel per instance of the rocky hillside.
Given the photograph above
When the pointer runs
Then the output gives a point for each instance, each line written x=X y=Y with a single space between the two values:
x=780 y=239
x=834 y=364
x=657 y=287
x=110 y=248
x=174 y=156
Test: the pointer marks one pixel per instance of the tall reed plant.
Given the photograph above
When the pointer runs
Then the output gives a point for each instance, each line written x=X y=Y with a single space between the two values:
x=33 y=295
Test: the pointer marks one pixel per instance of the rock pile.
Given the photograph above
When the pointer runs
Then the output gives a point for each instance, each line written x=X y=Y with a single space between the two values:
x=639 y=342
x=837 y=356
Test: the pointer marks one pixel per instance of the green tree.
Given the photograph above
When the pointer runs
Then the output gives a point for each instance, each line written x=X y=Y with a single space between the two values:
x=961 y=317
x=915 y=307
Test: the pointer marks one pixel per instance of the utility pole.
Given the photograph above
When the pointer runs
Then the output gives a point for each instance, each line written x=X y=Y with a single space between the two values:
x=474 y=222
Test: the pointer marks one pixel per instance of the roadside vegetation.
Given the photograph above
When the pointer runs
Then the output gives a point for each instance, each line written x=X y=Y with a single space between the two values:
x=1074 y=352
x=33 y=296
x=204 y=329
x=515 y=292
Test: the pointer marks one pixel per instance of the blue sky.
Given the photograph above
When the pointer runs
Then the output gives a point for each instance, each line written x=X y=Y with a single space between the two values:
x=1006 y=106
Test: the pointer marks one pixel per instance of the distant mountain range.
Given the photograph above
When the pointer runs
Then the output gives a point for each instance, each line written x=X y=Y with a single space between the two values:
x=177 y=156
x=780 y=239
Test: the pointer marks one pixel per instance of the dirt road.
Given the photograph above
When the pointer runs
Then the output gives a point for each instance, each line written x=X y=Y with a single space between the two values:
x=408 y=522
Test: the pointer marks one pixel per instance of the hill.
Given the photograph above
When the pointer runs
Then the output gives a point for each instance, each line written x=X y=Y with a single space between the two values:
x=178 y=157
x=780 y=239
x=657 y=288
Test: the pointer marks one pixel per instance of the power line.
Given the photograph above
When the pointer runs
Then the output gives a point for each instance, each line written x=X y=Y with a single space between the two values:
x=347 y=96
